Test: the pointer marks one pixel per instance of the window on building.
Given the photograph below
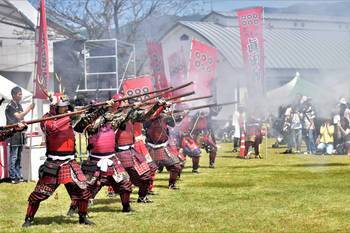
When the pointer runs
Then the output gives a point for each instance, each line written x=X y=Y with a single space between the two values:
x=302 y=24
x=295 y=24
x=184 y=37
x=340 y=26
x=0 y=43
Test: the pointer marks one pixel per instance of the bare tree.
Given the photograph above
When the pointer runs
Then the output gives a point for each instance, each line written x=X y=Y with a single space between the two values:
x=99 y=18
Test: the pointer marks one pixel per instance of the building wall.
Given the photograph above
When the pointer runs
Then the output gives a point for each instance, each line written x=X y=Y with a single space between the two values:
x=17 y=55
x=270 y=23
x=228 y=78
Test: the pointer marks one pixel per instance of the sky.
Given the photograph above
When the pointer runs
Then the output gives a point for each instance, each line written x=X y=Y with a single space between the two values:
x=226 y=5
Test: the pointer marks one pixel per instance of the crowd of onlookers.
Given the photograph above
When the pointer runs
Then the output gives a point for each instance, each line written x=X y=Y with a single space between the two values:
x=299 y=122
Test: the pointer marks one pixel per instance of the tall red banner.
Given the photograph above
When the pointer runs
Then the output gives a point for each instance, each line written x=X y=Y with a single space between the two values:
x=177 y=70
x=42 y=62
x=202 y=67
x=252 y=42
x=155 y=53
x=138 y=85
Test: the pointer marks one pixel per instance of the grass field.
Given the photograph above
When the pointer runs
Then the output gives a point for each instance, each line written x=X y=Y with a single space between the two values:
x=282 y=193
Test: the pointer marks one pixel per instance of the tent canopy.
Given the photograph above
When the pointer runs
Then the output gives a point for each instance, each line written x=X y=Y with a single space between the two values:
x=6 y=87
x=5 y=91
x=296 y=86
x=18 y=13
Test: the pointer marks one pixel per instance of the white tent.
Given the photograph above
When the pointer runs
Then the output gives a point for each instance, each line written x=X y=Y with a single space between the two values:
x=18 y=13
x=5 y=91
x=284 y=91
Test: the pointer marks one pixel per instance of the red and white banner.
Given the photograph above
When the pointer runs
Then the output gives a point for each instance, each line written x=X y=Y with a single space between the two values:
x=42 y=56
x=178 y=70
x=202 y=67
x=155 y=53
x=177 y=67
x=138 y=85
x=252 y=42
x=4 y=160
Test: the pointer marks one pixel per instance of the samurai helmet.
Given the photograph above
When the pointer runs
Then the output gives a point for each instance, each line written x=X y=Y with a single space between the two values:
x=58 y=100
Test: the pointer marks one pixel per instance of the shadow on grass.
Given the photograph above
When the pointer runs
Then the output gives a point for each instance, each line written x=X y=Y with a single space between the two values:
x=162 y=186
x=107 y=201
x=228 y=156
x=59 y=219
x=223 y=184
x=254 y=166
x=162 y=179
x=189 y=172
x=320 y=165
x=229 y=151
x=6 y=180
x=104 y=209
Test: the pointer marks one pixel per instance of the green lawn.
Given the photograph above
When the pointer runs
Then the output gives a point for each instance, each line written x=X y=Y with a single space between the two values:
x=279 y=193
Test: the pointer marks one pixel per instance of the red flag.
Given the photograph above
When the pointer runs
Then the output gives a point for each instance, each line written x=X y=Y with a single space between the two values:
x=202 y=67
x=42 y=63
x=177 y=70
x=155 y=54
x=177 y=67
x=251 y=32
x=138 y=85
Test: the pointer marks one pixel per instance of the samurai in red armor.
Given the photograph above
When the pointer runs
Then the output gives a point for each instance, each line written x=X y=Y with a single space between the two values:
x=60 y=166
x=254 y=137
x=203 y=134
x=186 y=144
x=161 y=150
x=141 y=148
x=103 y=168
x=135 y=163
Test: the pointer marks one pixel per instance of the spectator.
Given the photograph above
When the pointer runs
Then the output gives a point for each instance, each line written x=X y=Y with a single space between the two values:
x=309 y=126
x=344 y=109
x=293 y=122
x=14 y=114
x=326 y=138
x=345 y=132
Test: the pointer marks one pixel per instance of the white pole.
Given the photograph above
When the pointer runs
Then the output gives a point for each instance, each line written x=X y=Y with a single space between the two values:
x=266 y=142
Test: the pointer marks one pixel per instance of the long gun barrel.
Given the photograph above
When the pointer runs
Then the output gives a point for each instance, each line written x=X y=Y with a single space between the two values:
x=164 y=91
x=206 y=106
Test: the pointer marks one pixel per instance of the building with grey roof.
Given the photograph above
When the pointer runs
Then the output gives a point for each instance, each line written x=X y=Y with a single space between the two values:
x=315 y=46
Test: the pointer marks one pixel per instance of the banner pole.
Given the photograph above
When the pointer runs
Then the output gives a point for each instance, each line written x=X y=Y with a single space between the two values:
x=266 y=142
x=29 y=164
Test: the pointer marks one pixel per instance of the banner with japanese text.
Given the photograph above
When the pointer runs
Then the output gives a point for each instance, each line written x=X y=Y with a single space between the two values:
x=202 y=67
x=252 y=42
x=178 y=70
x=42 y=57
x=155 y=54
x=138 y=85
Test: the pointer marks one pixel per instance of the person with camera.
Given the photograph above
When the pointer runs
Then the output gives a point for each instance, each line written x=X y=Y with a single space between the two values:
x=326 y=138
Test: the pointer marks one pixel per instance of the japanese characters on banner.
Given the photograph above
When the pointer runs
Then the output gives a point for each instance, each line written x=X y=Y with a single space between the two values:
x=178 y=70
x=251 y=33
x=155 y=54
x=138 y=85
x=42 y=62
x=202 y=67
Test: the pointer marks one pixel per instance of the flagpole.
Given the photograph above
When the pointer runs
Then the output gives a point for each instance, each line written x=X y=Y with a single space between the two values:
x=33 y=91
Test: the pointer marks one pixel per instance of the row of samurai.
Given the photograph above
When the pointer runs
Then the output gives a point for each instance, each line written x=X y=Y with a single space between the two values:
x=127 y=142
